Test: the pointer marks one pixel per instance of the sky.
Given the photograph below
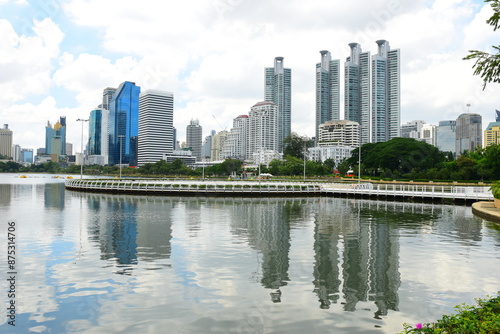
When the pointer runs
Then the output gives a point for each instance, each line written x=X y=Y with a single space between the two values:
x=57 y=56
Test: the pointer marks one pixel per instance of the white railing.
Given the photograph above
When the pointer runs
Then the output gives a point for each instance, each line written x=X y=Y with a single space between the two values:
x=242 y=187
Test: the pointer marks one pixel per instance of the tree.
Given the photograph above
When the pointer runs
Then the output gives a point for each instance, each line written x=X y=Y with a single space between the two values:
x=487 y=65
x=295 y=145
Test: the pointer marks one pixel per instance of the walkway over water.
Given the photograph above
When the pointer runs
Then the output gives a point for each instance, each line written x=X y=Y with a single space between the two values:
x=272 y=188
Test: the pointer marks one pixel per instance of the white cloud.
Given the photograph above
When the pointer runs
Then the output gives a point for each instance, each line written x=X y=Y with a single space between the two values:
x=212 y=54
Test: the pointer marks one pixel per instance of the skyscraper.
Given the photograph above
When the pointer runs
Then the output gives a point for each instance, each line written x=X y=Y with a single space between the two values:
x=357 y=90
x=107 y=96
x=124 y=124
x=156 y=130
x=278 y=89
x=468 y=133
x=263 y=128
x=95 y=132
x=55 y=137
x=492 y=134
x=6 y=142
x=327 y=90
x=386 y=106
x=194 y=133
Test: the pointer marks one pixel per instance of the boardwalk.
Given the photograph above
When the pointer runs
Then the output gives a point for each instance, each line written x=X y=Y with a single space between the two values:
x=270 y=188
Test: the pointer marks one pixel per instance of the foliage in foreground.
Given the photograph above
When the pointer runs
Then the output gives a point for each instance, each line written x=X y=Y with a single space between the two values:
x=481 y=319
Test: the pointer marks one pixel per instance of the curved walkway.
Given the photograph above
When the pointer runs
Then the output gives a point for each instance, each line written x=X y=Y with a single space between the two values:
x=486 y=210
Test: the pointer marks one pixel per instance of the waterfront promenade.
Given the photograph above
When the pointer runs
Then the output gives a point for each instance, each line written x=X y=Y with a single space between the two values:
x=273 y=188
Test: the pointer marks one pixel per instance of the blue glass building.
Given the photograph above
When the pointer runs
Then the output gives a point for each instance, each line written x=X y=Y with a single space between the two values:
x=95 y=131
x=124 y=124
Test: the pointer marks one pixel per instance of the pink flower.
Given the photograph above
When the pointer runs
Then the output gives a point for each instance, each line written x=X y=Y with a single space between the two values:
x=418 y=326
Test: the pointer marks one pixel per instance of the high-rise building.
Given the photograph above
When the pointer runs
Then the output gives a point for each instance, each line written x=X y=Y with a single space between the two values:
x=468 y=133
x=55 y=137
x=492 y=134
x=206 y=148
x=218 y=141
x=339 y=133
x=446 y=136
x=357 y=90
x=6 y=142
x=124 y=124
x=428 y=134
x=16 y=151
x=497 y=118
x=156 y=129
x=412 y=130
x=27 y=155
x=278 y=89
x=263 y=133
x=194 y=133
x=386 y=106
x=235 y=146
x=327 y=90
x=107 y=96
x=95 y=132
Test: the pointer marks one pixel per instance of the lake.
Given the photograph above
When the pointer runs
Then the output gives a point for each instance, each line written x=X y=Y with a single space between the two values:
x=103 y=263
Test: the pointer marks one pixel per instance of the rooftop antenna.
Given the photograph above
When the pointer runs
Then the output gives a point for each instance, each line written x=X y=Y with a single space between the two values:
x=468 y=107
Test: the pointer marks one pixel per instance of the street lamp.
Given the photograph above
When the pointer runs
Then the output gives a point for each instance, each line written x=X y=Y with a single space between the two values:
x=121 y=136
x=81 y=163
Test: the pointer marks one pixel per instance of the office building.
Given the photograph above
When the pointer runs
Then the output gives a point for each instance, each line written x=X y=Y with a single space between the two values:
x=27 y=155
x=95 y=132
x=446 y=136
x=278 y=89
x=492 y=134
x=468 y=133
x=339 y=133
x=327 y=90
x=16 y=152
x=107 y=97
x=263 y=132
x=386 y=105
x=194 y=133
x=412 y=130
x=497 y=118
x=357 y=90
x=156 y=129
x=428 y=134
x=55 y=137
x=6 y=142
x=124 y=124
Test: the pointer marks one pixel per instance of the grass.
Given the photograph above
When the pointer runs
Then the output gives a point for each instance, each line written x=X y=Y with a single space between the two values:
x=483 y=318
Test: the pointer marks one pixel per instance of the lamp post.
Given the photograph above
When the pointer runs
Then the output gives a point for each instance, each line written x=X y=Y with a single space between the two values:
x=121 y=136
x=81 y=163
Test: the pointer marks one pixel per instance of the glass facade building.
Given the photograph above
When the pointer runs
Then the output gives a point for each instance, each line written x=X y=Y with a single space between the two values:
x=55 y=137
x=357 y=90
x=95 y=132
x=124 y=124
x=278 y=89
x=469 y=133
x=327 y=90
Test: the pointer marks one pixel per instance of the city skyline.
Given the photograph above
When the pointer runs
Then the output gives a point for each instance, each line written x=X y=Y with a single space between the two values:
x=59 y=56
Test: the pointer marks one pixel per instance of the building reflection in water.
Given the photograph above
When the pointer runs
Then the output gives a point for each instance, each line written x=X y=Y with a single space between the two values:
x=5 y=194
x=54 y=195
x=129 y=229
x=266 y=225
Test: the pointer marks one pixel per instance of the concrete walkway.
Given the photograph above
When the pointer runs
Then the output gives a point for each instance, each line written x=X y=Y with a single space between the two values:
x=486 y=210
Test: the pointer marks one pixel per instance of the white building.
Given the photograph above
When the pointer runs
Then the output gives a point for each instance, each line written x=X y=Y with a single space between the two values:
x=263 y=131
x=338 y=133
x=235 y=146
x=336 y=153
x=428 y=134
x=156 y=132
x=264 y=157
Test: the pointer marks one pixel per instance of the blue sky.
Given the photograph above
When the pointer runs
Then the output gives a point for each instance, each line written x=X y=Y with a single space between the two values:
x=56 y=56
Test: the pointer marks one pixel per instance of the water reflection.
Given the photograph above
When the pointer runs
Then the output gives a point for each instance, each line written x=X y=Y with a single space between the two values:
x=314 y=264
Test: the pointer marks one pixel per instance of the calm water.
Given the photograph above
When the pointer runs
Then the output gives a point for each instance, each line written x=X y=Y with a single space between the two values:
x=97 y=263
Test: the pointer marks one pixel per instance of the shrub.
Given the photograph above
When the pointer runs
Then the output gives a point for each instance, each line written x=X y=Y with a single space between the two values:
x=483 y=318
x=495 y=189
